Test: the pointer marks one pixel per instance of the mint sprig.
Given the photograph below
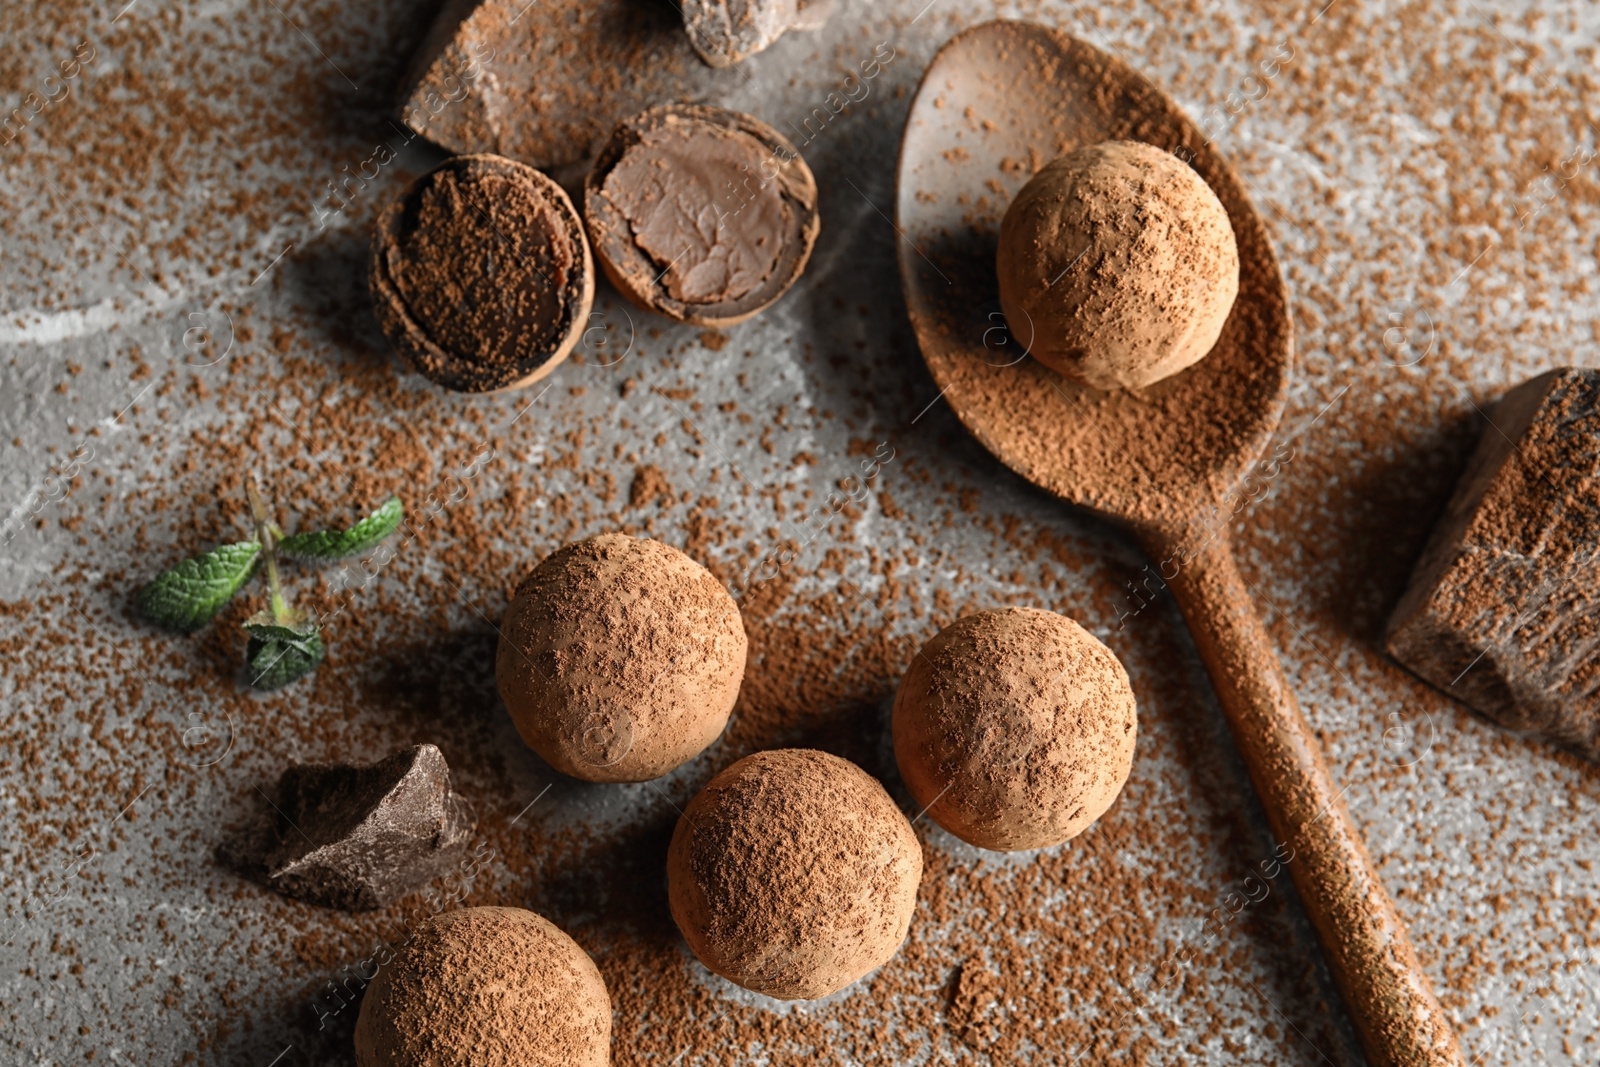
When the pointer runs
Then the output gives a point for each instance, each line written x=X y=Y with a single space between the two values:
x=189 y=595
x=337 y=544
x=284 y=644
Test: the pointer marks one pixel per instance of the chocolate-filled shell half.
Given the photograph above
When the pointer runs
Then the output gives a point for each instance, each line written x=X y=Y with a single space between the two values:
x=481 y=276
x=701 y=214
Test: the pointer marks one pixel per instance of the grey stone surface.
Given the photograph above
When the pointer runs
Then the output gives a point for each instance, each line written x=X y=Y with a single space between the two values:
x=124 y=938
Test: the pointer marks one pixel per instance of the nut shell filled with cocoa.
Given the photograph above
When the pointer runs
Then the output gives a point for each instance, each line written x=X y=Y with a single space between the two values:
x=620 y=658
x=1014 y=729
x=701 y=214
x=793 y=874
x=481 y=275
x=486 y=987
x=1118 y=265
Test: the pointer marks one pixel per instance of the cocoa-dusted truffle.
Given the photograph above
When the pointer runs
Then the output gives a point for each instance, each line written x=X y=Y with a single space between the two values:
x=486 y=987
x=620 y=658
x=1117 y=265
x=1014 y=728
x=481 y=275
x=701 y=214
x=793 y=874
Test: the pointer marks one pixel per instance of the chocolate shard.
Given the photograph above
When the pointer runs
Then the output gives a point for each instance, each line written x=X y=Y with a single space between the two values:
x=726 y=32
x=356 y=836
x=545 y=82
x=1503 y=609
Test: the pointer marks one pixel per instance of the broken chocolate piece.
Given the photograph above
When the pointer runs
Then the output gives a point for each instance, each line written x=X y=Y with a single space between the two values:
x=726 y=32
x=356 y=836
x=545 y=82
x=1503 y=609
x=701 y=214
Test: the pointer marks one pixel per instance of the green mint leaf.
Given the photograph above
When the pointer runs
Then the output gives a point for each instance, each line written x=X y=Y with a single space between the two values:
x=336 y=544
x=278 y=655
x=189 y=595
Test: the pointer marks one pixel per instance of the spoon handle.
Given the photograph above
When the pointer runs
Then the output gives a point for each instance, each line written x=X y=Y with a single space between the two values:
x=1399 y=1019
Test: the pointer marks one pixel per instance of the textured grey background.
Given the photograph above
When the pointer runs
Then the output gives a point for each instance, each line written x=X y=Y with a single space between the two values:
x=1488 y=841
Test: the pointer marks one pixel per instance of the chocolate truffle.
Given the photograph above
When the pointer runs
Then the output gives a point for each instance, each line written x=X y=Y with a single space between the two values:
x=1117 y=265
x=793 y=874
x=486 y=987
x=701 y=214
x=620 y=658
x=1014 y=728
x=481 y=275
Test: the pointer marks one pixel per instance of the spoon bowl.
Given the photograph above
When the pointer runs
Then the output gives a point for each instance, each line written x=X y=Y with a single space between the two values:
x=999 y=102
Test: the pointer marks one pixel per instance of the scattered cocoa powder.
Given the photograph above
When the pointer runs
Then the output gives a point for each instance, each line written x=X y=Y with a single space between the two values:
x=1445 y=129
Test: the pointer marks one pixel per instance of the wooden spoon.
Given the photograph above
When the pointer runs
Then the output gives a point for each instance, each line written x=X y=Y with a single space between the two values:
x=997 y=103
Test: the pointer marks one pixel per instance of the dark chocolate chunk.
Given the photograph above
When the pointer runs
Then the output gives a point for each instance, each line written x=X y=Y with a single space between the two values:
x=726 y=32
x=701 y=214
x=356 y=836
x=545 y=82
x=1503 y=609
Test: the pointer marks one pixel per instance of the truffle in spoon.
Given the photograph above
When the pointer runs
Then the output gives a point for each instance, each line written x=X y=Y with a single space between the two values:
x=1161 y=461
x=481 y=275
x=1118 y=265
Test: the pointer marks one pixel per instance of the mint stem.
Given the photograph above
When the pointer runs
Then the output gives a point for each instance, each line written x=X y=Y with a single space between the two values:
x=267 y=532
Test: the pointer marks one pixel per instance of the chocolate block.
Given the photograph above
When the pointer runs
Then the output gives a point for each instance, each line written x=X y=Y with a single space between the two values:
x=546 y=81
x=1503 y=609
x=356 y=836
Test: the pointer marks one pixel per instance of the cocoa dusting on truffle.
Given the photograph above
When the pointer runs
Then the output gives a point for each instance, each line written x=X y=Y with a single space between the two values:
x=1117 y=265
x=1157 y=457
x=1329 y=543
x=793 y=874
x=620 y=658
x=486 y=987
x=1014 y=729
